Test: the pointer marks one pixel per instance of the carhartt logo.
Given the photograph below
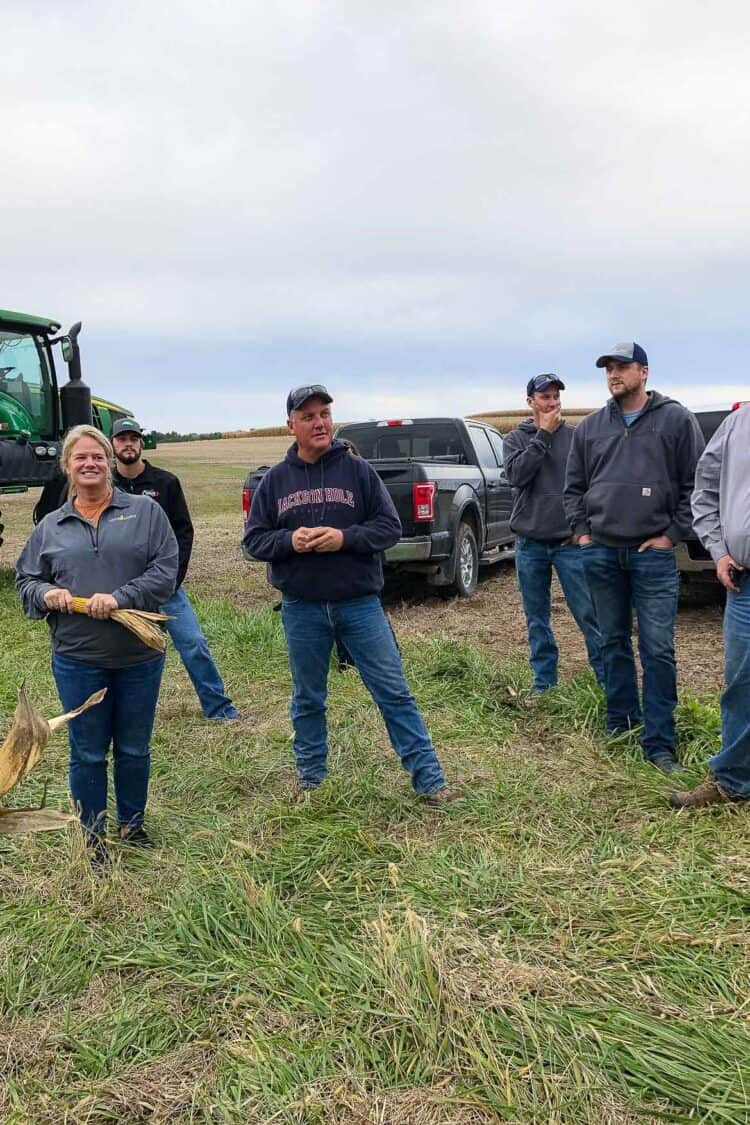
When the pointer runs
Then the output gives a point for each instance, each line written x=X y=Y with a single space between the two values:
x=645 y=492
x=121 y=519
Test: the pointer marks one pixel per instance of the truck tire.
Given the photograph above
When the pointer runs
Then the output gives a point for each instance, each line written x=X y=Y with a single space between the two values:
x=467 y=561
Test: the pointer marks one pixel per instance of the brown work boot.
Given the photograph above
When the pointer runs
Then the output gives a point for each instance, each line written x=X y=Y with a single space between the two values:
x=440 y=797
x=709 y=793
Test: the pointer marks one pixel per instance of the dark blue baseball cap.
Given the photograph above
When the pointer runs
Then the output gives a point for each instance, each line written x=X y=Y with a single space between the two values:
x=629 y=352
x=541 y=382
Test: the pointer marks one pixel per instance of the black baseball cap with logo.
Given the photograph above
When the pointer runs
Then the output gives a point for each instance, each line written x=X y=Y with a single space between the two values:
x=300 y=395
x=126 y=426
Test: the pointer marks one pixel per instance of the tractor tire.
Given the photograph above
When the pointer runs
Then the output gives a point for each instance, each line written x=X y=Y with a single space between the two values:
x=467 y=562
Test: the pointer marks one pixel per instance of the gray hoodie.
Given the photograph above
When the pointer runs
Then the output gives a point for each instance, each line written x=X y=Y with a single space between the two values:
x=535 y=463
x=625 y=483
x=132 y=554
x=721 y=501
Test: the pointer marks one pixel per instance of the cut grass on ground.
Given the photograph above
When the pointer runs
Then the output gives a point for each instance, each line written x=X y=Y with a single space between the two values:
x=556 y=946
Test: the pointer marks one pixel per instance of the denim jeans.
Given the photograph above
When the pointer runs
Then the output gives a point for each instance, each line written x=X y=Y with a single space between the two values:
x=535 y=559
x=731 y=766
x=311 y=629
x=124 y=718
x=621 y=580
x=187 y=637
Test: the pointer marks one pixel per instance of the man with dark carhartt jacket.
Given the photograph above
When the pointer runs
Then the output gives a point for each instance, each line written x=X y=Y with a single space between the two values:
x=627 y=497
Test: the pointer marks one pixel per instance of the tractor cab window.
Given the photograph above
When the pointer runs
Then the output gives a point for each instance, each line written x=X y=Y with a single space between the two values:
x=25 y=379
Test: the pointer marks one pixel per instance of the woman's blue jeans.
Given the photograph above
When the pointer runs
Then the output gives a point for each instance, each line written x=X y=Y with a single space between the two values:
x=535 y=559
x=623 y=580
x=311 y=628
x=124 y=719
x=731 y=766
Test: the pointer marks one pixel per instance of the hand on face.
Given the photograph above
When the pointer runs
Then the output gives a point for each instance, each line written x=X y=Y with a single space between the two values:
x=547 y=409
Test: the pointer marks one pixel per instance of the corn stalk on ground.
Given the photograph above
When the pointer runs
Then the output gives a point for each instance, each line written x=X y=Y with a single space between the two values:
x=20 y=752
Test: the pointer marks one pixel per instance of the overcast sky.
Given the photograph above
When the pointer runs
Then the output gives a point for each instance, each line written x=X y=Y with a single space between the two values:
x=420 y=203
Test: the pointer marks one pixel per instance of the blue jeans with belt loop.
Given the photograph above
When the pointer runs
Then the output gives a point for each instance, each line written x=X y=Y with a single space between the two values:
x=731 y=766
x=535 y=559
x=124 y=719
x=623 y=580
x=311 y=628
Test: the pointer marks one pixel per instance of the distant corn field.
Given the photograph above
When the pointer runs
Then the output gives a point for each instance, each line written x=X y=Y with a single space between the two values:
x=503 y=420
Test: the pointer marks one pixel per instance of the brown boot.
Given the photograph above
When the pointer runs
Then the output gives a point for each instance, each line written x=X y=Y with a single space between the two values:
x=440 y=797
x=709 y=793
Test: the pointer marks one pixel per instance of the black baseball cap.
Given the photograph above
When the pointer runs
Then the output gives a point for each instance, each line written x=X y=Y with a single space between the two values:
x=629 y=352
x=541 y=382
x=300 y=395
x=126 y=426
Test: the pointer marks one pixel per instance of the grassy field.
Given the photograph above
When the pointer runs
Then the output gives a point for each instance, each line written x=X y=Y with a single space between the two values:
x=558 y=946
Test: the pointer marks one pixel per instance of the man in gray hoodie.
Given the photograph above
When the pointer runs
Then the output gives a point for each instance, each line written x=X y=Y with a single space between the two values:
x=536 y=454
x=721 y=510
x=627 y=496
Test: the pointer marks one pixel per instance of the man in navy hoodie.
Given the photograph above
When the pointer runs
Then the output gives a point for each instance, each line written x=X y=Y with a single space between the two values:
x=627 y=497
x=321 y=518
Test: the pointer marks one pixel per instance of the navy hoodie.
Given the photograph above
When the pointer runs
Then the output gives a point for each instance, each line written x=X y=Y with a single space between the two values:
x=625 y=484
x=340 y=490
x=535 y=463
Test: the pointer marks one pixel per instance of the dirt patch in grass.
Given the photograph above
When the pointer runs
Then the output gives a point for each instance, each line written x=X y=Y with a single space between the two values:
x=158 y=1091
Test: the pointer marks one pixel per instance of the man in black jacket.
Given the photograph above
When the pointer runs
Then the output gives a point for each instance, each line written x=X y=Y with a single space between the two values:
x=134 y=474
x=536 y=454
x=627 y=497
x=322 y=519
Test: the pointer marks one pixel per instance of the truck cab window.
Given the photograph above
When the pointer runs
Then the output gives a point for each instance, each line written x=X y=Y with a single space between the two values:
x=496 y=442
x=481 y=444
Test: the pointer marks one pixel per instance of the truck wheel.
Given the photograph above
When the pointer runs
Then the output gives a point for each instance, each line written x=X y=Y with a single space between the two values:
x=467 y=562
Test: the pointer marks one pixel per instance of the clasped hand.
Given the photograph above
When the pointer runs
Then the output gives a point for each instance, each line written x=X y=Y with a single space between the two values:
x=306 y=539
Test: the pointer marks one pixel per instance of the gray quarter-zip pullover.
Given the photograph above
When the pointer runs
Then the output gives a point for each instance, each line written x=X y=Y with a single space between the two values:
x=132 y=554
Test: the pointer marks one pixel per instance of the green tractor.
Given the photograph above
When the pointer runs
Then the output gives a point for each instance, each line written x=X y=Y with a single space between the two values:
x=34 y=411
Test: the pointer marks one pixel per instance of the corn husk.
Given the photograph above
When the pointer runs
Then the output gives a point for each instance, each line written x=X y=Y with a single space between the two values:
x=18 y=822
x=28 y=736
x=20 y=752
x=138 y=621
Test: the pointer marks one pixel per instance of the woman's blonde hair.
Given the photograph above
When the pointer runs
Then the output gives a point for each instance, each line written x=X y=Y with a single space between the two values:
x=73 y=436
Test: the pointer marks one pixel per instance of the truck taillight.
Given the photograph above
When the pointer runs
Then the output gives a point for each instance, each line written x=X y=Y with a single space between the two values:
x=247 y=499
x=737 y=405
x=423 y=500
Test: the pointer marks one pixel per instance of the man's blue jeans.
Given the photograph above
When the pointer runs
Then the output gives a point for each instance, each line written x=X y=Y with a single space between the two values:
x=311 y=628
x=535 y=559
x=621 y=580
x=731 y=766
x=124 y=718
x=187 y=637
